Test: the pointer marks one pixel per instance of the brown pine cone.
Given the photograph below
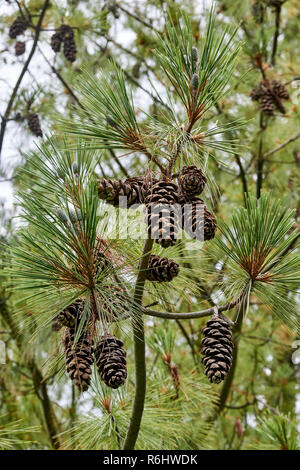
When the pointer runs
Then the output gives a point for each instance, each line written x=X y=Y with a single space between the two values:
x=70 y=50
x=131 y=188
x=197 y=220
x=18 y=27
x=56 y=41
x=70 y=316
x=33 y=121
x=162 y=217
x=79 y=358
x=217 y=349
x=111 y=361
x=280 y=90
x=161 y=269
x=191 y=180
x=256 y=93
x=19 y=48
x=65 y=32
x=267 y=104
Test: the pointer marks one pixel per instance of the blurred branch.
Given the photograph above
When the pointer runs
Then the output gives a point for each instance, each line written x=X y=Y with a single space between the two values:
x=25 y=67
x=284 y=144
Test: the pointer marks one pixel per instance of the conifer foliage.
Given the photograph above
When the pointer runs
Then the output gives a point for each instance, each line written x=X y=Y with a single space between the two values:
x=152 y=325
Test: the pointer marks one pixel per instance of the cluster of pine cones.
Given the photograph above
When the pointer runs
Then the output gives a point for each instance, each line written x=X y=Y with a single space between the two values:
x=65 y=34
x=162 y=198
x=270 y=96
x=108 y=354
x=17 y=28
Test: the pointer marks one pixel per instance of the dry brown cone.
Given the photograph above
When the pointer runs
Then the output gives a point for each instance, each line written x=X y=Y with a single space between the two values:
x=131 y=188
x=280 y=90
x=65 y=32
x=111 y=361
x=34 y=125
x=17 y=27
x=79 y=358
x=70 y=316
x=217 y=349
x=56 y=41
x=161 y=269
x=162 y=215
x=267 y=104
x=198 y=222
x=191 y=180
x=19 y=48
x=69 y=49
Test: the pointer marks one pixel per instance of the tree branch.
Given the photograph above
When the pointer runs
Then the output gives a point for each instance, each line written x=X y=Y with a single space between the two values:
x=139 y=351
x=18 y=83
x=199 y=314
x=276 y=34
x=284 y=144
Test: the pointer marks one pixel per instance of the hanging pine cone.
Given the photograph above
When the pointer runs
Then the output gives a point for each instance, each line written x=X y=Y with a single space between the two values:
x=131 y=188
x=33 y=122
x=56 y=41
x=161 y=269
x=162 y=216
x=65 y=31
x=70 y=50
x=267 y=104
x=19 y=48
x=79 y=358
x=280 y=90
x=191 y=180
x=70 y=316
x=217 y=349
x=197 y=220
x=111 y=361
x=256 y=93
x=18 y=27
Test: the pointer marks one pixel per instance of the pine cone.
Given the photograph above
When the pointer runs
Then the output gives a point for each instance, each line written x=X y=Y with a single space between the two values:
x=18 y=27
x=197 y=220
x=191 y=180
x=267 y=104
x=79 y=358
x=217 y=349
x=131 y=188
x=70 y=316
x=70 y=50
x=256 y=93
x=162 y=215
x=280 y=90
x=19 y=48
x=56 y=41
x=33 y=121
x=111 y=361
x=65 y=32
x=161 y=269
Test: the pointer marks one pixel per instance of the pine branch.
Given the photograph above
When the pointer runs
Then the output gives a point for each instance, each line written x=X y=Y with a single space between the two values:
x=281 y=146
x=276 y=34
x=25 y=67
x=139 y=352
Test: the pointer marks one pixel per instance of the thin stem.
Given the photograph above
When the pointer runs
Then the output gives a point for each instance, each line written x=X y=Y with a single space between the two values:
x=18 y=83
x=279 y=147
x=139 y=352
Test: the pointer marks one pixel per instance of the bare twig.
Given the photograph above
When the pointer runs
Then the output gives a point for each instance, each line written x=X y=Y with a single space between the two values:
x=284 y=144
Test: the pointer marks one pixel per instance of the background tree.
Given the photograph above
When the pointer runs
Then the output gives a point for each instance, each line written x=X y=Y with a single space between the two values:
x=248 y=404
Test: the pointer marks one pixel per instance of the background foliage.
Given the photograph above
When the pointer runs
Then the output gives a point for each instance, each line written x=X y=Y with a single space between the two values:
x=258 y=408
